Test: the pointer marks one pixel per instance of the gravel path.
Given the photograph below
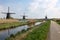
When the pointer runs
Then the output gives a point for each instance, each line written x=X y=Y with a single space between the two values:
x=54 y=31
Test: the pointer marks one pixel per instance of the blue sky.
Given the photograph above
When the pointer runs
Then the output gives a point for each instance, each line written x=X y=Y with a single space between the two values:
x=32 y=8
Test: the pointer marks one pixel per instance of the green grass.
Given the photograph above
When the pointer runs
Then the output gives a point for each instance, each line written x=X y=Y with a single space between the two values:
x=58 y=21
x=11 y=25
x=39 y=33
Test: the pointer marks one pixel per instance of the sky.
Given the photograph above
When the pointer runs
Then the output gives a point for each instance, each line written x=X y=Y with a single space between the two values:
x=31 y=8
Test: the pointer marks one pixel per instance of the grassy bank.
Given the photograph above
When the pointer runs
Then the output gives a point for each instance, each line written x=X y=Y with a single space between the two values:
x=11 y=25
x=12 y=36
x=40 y=33
x=58 y=21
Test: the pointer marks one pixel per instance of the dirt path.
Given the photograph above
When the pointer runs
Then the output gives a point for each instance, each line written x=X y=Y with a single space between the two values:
x=54 y=31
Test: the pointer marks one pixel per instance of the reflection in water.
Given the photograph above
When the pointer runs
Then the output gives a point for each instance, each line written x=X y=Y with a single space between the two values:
x=6 y=33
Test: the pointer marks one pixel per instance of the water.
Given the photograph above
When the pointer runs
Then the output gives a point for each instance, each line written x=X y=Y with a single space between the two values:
x=37 y=23
x=6 y=33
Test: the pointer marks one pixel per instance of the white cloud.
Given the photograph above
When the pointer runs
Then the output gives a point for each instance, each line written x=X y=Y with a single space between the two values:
x=1 y=10
x=52 y=10
x=46 y=6
x=37 y=8
x=52 y=3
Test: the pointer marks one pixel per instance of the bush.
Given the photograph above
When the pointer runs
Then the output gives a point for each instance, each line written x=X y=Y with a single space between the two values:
x=23 y=30
x=12 y=35
x=18 y=33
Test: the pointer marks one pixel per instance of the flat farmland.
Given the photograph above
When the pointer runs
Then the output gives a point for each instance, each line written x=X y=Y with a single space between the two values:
x=10 y=23
x=8 y=20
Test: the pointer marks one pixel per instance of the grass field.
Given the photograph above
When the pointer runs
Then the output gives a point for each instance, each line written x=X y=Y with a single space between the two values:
x=58 y=21
x=10 y=23
x=8 y=20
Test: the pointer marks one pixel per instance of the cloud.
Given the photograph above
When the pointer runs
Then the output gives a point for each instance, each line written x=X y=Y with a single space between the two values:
x=52 y=10
x=36 y=8
x=52 y=3
x=43 y=7
x=1 y=10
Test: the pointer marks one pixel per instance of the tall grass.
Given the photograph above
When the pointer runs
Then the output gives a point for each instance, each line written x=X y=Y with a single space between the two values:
x=39 y=33
x=58 y=21
x=11 y=25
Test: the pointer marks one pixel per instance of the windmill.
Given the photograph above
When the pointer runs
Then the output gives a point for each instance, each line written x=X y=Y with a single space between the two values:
x=8 y=14
x=46 y=17
x=24 y=16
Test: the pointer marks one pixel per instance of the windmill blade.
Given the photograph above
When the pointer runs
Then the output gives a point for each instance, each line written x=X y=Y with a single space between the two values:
x=12 y=13
x=4 y=12
x=26 y=16
x=23 y=15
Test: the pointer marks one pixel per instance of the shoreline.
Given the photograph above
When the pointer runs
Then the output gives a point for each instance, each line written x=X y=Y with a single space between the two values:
x=13 y=26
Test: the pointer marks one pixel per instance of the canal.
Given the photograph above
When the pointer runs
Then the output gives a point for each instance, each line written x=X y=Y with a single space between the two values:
x=6 y=33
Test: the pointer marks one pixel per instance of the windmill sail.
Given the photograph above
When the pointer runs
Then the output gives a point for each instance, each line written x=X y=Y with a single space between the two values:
x=8 y=13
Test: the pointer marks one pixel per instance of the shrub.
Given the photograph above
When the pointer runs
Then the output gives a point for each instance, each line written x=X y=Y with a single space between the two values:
x=12 y=35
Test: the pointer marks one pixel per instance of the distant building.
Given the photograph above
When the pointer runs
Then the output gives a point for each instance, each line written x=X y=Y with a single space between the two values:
x=8 y=14
x=46 y=18
x=24 y=17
